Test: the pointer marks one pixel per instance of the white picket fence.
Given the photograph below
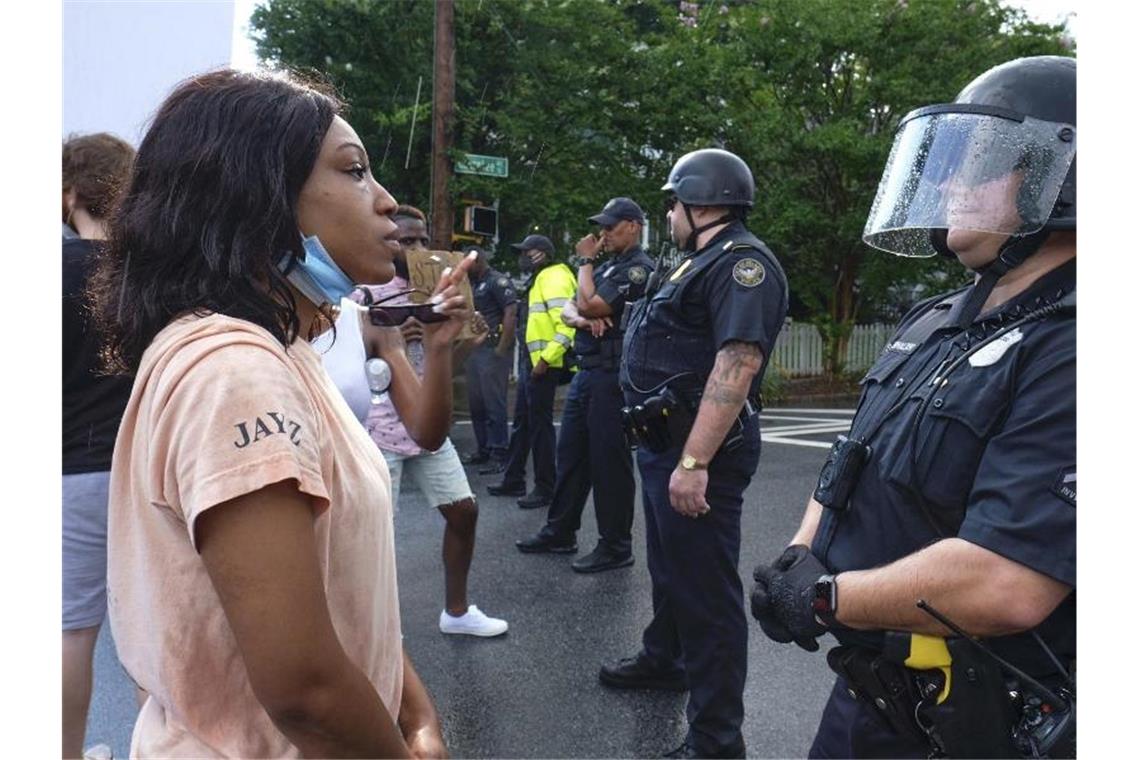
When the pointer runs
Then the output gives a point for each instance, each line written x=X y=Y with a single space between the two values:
x=799 y=349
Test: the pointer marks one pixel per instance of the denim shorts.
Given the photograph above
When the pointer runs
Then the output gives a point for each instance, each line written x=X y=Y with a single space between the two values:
x=84 y=549
x=439 y=474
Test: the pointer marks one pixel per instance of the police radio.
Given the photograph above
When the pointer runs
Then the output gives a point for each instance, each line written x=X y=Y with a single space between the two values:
x=1046 y=720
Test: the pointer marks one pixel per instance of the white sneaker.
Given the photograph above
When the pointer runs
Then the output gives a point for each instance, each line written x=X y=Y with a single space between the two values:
x=473 y=623
x=98 y=752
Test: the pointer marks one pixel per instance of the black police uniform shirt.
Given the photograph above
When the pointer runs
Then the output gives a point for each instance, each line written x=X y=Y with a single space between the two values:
x=492 y=295
x=617 y=281
x=733 y=289
x=992 y=460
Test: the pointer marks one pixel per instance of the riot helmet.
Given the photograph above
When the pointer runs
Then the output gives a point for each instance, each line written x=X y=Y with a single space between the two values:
x=711 y=177
x=1000 y=159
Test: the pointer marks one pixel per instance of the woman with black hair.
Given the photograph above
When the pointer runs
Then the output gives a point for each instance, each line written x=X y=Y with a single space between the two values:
x=251 y=567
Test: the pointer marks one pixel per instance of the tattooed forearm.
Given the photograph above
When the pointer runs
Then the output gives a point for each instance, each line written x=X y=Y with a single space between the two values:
x=725 y=392
x=736 y=364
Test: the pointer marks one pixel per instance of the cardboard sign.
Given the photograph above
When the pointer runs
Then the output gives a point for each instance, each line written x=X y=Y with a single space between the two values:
x=424 y=270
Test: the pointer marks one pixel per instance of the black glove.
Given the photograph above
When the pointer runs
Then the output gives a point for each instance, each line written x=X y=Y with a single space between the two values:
x=783 y=594
x=764 y=613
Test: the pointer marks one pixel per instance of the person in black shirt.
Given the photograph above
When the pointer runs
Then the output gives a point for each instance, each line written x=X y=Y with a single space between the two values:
x=489 y=365
x=592 y=451
x=957 y=483
x=94 y=168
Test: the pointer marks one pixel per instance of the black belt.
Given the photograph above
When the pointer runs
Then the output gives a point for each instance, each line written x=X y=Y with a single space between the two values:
x=598 y=361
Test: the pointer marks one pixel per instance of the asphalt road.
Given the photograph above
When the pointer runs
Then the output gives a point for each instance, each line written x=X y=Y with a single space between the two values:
x=534 y=692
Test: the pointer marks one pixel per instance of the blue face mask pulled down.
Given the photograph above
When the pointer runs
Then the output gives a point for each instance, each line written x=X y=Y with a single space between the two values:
x=317 y=277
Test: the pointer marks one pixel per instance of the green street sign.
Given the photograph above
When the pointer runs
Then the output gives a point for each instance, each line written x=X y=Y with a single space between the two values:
x=491 y=166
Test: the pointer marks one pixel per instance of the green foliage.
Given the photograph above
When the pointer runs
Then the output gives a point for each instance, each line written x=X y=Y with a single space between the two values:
x=818 y=89
x=594 y=98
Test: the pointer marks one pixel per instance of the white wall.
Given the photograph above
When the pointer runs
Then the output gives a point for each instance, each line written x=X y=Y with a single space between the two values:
x=120 y=59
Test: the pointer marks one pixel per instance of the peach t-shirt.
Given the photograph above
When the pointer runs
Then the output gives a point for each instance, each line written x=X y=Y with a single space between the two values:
x=220 y=409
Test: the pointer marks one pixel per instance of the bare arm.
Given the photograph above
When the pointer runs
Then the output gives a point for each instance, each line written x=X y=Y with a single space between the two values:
x=983 y=592
x=570 y=316
x=725 y=392
x=589 y=303
x=809 y=524
x=510 y=323
x=419 y=722
x=424 y=405
x=261 y=555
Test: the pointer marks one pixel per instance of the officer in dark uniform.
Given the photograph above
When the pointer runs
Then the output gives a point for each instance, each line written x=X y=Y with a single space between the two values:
x=957 y=482
x=592 y=450
x=695 y=352
x=489 y=364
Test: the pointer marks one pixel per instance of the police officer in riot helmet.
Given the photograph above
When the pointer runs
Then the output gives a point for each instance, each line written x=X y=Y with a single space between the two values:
x=939 y=546
x=695 y=350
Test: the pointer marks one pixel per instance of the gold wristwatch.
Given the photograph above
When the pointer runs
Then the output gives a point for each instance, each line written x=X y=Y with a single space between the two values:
x=689 y=462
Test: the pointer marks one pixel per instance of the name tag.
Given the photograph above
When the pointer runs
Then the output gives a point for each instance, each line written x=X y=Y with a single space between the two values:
x=991 y=352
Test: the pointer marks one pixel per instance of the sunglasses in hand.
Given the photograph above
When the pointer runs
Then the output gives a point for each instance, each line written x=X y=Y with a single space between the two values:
x=394 y=315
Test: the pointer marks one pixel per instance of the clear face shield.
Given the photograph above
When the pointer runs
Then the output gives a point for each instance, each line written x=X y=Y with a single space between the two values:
x=968 y=167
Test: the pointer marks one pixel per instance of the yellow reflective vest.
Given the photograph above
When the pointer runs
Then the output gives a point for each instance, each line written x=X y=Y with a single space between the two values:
x=546 y=335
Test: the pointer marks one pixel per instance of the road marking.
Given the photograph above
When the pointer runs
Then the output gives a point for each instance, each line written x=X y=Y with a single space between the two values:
x=826 y=427
x=804 y=422
x=782 y=410
x=795 y=442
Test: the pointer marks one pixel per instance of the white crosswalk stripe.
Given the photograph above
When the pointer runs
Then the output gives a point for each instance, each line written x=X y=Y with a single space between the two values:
x=814 y=428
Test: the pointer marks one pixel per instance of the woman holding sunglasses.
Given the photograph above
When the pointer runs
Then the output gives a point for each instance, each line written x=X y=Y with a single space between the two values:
x=252 y=576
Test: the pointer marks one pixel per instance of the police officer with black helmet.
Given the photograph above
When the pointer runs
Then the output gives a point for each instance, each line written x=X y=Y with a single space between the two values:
x=956 y=485
x=695 y=350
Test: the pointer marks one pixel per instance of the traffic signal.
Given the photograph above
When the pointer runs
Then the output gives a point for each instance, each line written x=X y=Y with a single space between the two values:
x=481 y=220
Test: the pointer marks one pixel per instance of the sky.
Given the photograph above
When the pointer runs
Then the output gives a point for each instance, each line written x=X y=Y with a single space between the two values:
x=244 y=57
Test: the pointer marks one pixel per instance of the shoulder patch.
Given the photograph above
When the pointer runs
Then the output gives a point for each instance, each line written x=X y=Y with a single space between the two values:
x=1066 y=485
x=637 y=275
x=748 y=272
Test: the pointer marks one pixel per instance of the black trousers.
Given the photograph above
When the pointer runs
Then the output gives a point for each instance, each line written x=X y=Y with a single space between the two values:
x=593 y=454
x=532 y=430
x=850 y=728
x=698 y=600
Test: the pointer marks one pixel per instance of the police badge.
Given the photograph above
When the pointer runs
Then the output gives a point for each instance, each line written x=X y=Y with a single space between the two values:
x=748 y=272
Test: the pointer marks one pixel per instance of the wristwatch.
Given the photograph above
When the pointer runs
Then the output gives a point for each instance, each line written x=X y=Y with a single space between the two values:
x=689 y=462
x=825 y=600
x=581 y=261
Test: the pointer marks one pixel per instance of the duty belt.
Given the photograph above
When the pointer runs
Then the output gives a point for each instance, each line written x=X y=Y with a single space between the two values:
x=664 y=421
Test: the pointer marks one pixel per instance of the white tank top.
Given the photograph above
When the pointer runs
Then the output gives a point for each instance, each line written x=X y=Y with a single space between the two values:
x=344 y=358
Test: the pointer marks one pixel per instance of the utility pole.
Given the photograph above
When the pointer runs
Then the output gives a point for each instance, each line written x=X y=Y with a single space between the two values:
x=442 y=124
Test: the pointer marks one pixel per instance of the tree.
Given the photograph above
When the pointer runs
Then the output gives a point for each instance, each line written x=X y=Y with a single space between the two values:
x=819 y=87
x=590 y=99
x=570 y=92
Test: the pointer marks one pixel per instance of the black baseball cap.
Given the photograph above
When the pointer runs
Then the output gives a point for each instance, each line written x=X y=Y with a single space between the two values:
x=541 y=242
x=619 y=209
